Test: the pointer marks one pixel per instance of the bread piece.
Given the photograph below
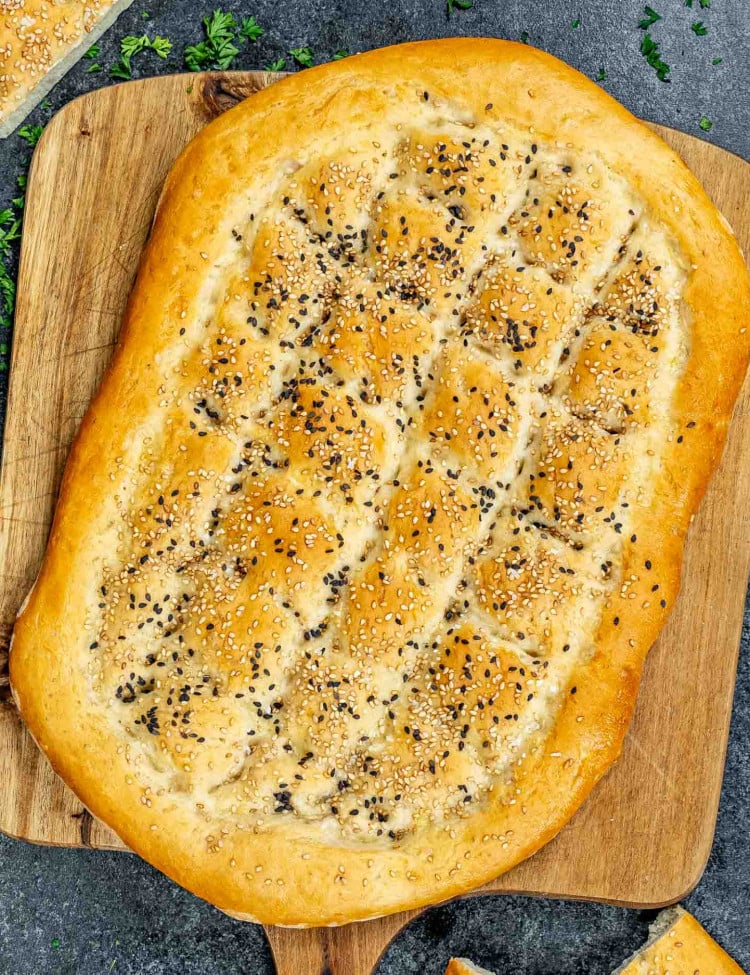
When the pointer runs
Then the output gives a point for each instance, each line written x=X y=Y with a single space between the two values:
x=677 y=945
x=462 y=966
x=40 y=40
x=362 y=544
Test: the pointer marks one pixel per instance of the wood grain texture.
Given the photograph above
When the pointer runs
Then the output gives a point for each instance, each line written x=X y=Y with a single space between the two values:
x=644 y=836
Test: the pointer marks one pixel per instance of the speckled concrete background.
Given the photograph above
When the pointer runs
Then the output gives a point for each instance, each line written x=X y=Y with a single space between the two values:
x=73 y=912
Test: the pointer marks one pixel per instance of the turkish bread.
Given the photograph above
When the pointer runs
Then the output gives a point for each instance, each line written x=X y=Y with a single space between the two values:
x=40 y=40
x=382 y=501
x=677 y=945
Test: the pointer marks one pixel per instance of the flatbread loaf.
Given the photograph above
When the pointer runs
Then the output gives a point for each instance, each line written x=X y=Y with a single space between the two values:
x=462 y=966
x=677 y=945
x=362 y=544
x=39 y=41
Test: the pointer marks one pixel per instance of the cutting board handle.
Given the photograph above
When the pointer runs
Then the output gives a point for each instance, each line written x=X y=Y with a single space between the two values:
x=298 y=952
x=350 y=950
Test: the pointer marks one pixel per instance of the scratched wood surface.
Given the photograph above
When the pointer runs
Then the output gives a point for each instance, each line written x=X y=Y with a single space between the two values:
x=644 y=836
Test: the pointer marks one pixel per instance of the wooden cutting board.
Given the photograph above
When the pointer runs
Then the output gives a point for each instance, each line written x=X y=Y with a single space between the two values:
x=644 y=836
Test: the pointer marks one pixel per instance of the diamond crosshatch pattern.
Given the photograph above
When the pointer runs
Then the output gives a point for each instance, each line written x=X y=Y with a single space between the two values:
x=420 y=416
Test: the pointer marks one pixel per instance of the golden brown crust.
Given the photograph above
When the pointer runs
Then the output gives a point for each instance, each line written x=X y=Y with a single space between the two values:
x=290 y=874
x=678 y=946
x=462 y=966
x=684 y=948
x=39 y=41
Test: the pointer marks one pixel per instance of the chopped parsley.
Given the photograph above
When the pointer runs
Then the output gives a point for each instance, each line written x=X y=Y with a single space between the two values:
x=218 y=50
x=650 y=51
x=132 y=45
x=602 y=75
x=717 y=60
x=699 y=28
x=575 y=24
x=706 y=124
x=31 y=134
x=303 y=56
x=93 y=68
x=251 y=29
x=650 y=19
x=341 y=54
x=704 y=4
x=10 y=231
x=278 y=65
x=93 y=52
x=161 y=46
x=10 y=234
x=19 y=201
x=452 y=5
x=524 y=37
x=122 y=70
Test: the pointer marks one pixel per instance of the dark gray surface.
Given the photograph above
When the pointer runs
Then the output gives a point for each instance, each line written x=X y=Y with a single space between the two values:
x=85 y=913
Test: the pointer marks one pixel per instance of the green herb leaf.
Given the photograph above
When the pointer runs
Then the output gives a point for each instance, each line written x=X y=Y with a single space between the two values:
x=218 y=49
x=574 y=24
x=94 y=69
x=699 y=28
x=122 y=70
x=602 y=76
x=341 y=54
x=717 y=60
x=31 y=134
x=251 y=29
x=650 y=51
x=688 y=3
x=705 y=4
x=131 y=45
x=161 y=46
x=93 y=52
x=459 y=5
x=524 y=37
x=145 y=14
x=10 y=231
x=651 y=18
x=278 y=65
x=198 y=56
x=303 y=56
x=7 y=297
x=706 y=124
